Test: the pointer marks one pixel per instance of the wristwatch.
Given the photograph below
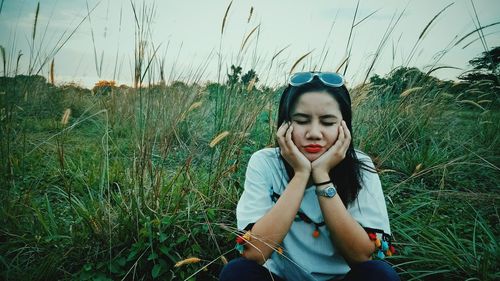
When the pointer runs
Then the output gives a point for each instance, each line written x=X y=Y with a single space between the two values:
x=328 y=191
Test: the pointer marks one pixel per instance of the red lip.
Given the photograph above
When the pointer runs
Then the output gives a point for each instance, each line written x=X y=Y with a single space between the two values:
x=313 y=148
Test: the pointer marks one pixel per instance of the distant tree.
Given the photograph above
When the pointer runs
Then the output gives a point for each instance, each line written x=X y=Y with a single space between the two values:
x=104 y=87
x=485 y=67
x=234 y=76
x=247 y=77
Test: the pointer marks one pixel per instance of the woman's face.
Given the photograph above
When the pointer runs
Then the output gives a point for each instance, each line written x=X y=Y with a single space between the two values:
x=315 y=119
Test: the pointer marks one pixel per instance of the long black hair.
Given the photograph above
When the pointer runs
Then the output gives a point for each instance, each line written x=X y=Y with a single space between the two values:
x=346 y=176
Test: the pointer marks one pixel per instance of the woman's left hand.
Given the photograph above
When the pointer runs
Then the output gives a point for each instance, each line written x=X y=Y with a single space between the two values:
x=334 y=155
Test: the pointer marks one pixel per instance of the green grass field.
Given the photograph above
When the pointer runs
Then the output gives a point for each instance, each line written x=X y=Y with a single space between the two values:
x=132 y=181
x=141 y=183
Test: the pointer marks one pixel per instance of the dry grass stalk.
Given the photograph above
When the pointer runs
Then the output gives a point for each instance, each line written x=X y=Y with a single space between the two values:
x=218 y=138
x=298 y=61
x=187 y=261
x=248 y=36
x=65 y=117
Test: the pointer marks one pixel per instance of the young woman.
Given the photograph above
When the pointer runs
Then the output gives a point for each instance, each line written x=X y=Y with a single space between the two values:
x=313 y=207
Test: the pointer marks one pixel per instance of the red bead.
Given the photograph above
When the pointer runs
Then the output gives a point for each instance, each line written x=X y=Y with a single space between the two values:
x=240 y=240
x=392 y=249
x=372 y=236
x=316 y=233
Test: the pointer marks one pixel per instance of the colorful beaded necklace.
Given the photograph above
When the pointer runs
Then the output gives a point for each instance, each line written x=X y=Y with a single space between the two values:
x=302 y=217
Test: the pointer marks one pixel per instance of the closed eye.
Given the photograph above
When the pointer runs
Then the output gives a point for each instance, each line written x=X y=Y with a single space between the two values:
x=301 y=122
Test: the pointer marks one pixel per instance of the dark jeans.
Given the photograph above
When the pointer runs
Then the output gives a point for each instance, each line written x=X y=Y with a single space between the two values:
x=242 y=269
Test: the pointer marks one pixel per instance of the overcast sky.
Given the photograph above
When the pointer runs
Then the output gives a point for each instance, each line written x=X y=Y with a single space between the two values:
x=188 y=36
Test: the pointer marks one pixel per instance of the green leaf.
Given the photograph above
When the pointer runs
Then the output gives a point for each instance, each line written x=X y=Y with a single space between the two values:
x=164 y=249
x=132 y=255
x=121 y=261
x=152 y=256
x=155 y=272
x=114 y=268
x=163 y=237
x=166 y=220
x=181 y=239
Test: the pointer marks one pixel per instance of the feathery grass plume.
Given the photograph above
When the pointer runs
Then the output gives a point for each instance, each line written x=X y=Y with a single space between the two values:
x=2 y=50
x=52 y=72
x=187 y=261
x=32 y=44
x=432 y=20
x=298 y=61
x=223 y=259
x=218 y=138
x=225 y=17
x=248 y=36
x=65 y=117
x=250 y=15
x=251 y=84
x=36 y=21
x=195 y=106
x=407 y=92
x=277 y=54
x=418 y=168
x=471 y=103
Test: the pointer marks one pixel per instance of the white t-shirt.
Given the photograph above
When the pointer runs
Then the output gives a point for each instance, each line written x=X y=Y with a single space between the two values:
x=304 y=256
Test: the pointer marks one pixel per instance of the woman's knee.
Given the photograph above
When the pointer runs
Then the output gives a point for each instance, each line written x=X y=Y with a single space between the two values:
x=374 y=270
x=243 y=269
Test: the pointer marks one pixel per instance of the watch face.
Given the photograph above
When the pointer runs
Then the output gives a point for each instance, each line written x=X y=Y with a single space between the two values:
x=330 y=192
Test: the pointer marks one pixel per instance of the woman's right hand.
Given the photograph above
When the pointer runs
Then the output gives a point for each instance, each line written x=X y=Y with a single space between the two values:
x=289 y=150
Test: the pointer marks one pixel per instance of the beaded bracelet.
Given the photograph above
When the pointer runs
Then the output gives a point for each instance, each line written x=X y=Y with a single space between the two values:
x=384 y=247
x=241 y=242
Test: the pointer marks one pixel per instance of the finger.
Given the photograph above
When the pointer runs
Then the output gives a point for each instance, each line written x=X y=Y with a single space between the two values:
x=347 y=132
x=346 y=139
x=289 y=135
x=282 y=131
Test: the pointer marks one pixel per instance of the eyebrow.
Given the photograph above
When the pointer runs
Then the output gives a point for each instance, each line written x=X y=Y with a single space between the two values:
x=308 y=116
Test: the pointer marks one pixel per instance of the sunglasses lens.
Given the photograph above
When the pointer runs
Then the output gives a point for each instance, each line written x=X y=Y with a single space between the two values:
x=300 y=78
x=332 y=79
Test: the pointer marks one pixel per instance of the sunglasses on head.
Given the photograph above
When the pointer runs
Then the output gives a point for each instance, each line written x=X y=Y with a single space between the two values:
x=331 y=79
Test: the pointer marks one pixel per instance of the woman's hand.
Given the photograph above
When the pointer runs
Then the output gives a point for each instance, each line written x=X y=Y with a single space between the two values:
x=290 y=152
x=333 y=156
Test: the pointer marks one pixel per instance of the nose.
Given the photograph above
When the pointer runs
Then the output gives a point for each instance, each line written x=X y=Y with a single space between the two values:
x=314 y=131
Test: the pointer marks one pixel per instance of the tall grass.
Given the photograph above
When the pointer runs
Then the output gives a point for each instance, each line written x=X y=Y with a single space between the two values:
x=142 y=182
